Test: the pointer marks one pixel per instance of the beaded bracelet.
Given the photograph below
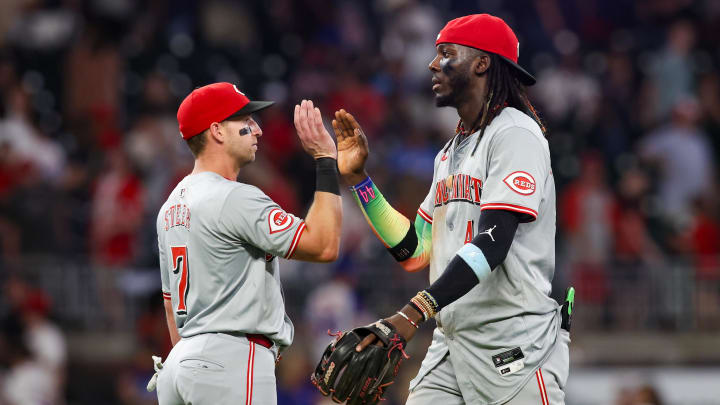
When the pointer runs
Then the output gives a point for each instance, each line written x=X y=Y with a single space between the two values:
x=420 y=306
x=424 y=303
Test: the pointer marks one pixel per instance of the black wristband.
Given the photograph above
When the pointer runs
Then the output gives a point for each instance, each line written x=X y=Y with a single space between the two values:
x=417 y=309
x=326 y=175
x=407 y=245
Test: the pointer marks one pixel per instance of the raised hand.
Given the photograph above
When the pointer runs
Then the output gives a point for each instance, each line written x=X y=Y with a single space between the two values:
x=352 y=147
x=314 y=138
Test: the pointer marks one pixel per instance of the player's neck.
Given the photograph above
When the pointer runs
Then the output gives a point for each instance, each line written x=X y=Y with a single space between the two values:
x=470 y=109
x=216 y=164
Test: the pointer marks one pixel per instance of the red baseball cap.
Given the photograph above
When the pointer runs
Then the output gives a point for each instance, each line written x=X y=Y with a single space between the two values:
x=486 y=33
x=214 y=103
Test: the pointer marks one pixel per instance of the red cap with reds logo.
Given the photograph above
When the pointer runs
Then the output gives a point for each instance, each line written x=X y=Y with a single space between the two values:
x=486 y=33
x=214 y=103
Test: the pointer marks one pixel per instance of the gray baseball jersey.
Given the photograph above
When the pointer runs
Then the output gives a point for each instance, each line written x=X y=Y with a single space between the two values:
x=502 y=331
x=217 y=242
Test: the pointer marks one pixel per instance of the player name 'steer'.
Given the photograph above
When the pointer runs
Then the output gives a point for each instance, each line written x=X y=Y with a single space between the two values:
x=177 y=215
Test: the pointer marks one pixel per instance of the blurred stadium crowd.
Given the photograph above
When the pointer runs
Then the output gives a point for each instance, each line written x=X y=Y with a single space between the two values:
x=89 y=150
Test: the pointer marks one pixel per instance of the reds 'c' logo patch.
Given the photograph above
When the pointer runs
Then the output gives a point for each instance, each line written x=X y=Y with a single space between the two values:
x=279 y=220
x=521 y=183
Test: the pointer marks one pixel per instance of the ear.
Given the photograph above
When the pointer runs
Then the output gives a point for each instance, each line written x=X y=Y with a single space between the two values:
x=217 y=132
x=481 y=64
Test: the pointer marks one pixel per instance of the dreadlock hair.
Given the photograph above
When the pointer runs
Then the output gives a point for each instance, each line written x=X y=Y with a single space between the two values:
x=504 y=90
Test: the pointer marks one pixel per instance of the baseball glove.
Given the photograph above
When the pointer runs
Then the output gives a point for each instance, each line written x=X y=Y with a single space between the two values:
x=360 y=377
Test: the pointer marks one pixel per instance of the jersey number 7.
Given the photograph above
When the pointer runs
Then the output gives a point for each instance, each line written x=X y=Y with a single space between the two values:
x=180 y=265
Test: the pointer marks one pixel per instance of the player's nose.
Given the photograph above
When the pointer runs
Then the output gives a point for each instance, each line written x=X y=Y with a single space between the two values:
x=433 y=66
x=256 y=130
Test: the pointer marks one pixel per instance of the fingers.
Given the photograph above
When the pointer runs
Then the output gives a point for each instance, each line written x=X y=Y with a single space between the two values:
x=343 y=123
x=338 y=132
x=319 y=127
x=340 y=124
x=362 y=139
x=351 y=121
x=296 y=117
x=346 y=123
x=301 y=118
x=369 y=339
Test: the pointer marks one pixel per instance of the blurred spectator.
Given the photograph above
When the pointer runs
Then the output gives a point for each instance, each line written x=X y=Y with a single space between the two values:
x=18 y=131
x=682 y=155
x=709 y=97
x=92 y=74
x=44 y=338
x=635 y=253
x=116 y=220
x=117 y=210
x=586 y=211
x=616 y=118
x=567 y=94
x=11 y=171
x=37 y=27
x=672 y=70
x=410 y=28
x=700 y=242
x=41 y=337
x=27 y=380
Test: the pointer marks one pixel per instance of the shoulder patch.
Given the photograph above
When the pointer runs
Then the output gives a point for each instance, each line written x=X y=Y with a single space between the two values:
x=279 y=220
x=520 y=182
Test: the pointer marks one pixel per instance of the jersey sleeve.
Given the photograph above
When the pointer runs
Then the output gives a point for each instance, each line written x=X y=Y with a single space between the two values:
x=251 y=216
x=427 y=206
x=518 y=164
x=164 y=271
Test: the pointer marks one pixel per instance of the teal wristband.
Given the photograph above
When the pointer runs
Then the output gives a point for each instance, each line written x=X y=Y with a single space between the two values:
x=475 y=258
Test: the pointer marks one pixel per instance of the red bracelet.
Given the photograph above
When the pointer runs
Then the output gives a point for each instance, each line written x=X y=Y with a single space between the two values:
x=408 y=319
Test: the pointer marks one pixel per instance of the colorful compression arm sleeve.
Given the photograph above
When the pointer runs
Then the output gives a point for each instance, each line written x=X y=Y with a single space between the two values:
x=408 y=243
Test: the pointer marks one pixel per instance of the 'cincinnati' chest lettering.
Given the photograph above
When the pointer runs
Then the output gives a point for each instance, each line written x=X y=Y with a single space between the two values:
x=461 y=187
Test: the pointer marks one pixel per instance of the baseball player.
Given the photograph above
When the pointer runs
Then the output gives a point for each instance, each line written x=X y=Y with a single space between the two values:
x=218 y=243
x=486 y=228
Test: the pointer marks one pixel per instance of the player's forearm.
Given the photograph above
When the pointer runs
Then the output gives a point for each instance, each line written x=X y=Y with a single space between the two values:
x=321 y=239
x=172 y=328
x=408 y=243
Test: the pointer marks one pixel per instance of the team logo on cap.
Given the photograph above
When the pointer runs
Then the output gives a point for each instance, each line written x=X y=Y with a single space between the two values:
x=236 y=89
x=279 y=220
x=521 y=183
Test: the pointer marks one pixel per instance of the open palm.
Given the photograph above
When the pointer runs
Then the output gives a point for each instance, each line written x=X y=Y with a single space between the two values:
x=352 y=147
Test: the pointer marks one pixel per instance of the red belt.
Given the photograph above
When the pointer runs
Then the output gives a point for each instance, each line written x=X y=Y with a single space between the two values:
x=262 y=340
